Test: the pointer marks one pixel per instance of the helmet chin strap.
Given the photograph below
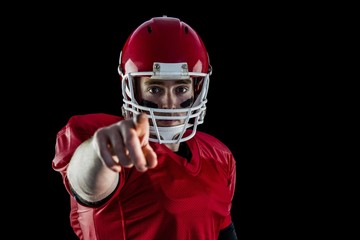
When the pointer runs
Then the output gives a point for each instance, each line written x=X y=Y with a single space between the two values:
x=171 y=134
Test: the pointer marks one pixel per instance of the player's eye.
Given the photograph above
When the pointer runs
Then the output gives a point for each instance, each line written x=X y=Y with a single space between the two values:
x=154 y=90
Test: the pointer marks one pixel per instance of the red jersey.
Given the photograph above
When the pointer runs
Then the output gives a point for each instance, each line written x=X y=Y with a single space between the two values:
x=178 y=199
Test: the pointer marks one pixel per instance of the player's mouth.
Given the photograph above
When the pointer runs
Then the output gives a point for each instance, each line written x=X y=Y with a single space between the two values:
x=168 y=123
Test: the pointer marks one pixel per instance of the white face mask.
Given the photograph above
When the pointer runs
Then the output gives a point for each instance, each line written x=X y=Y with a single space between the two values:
x=191 y=116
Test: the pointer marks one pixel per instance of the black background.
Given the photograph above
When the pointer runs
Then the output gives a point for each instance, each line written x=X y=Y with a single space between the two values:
x=66 y=61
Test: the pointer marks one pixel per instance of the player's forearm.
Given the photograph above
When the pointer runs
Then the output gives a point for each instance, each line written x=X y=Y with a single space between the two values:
x=88 y=176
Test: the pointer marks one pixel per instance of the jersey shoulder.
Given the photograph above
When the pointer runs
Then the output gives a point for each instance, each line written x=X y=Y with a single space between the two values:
x=210 y=141
x=214 y=151
x=89 y=123
x=211 y=147
x=78 y=129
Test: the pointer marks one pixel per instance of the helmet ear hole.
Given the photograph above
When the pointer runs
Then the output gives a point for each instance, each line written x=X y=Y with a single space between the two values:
x=186 y=30
x=149 y=29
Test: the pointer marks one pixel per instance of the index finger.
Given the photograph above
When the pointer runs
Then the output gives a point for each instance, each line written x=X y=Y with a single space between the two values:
x=133 y=134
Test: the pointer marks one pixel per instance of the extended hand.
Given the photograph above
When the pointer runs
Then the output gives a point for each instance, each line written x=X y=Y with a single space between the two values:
x=126 y=144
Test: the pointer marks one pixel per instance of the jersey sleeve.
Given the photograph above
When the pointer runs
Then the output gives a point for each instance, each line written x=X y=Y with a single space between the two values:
x=231 y=181
x=78 y=129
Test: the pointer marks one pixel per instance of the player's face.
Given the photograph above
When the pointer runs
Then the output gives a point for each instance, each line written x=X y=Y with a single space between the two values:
x=166 y=94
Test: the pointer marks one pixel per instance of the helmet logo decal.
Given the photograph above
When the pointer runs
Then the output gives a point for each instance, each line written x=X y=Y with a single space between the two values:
x=198 y=66
x=130 y=66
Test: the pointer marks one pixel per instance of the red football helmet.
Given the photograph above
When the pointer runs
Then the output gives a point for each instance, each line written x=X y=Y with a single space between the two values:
x=165 y=48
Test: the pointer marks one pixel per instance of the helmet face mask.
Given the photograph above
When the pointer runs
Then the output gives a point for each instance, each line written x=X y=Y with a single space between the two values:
x=154 y=54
